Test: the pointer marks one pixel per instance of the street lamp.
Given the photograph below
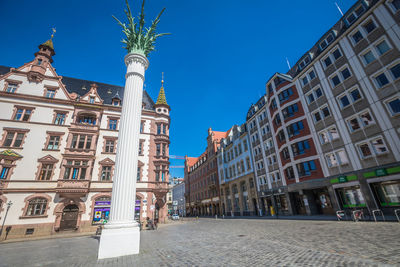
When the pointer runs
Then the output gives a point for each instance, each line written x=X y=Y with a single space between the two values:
x=9 y=204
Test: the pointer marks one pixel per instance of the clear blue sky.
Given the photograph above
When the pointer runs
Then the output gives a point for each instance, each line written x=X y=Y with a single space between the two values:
x=216 y=61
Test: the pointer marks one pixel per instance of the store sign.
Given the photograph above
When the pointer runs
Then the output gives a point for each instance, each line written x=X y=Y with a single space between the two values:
x=380 y=172
x=342 y=179
x=102 y=203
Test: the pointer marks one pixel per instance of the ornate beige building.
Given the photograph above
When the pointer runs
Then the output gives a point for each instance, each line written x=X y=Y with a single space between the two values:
x=58 y=143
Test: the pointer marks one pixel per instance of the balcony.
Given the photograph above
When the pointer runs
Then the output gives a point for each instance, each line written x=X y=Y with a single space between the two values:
x=84 y=127
x=73 y=187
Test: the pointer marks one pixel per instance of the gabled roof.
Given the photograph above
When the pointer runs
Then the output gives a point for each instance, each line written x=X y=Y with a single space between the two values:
x=191 y=161
x=105 y=91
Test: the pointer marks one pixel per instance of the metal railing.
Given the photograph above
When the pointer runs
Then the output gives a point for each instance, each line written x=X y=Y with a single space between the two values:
x=378 y=211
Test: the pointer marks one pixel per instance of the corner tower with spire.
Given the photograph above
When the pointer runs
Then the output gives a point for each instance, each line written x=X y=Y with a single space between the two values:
x=161 y=104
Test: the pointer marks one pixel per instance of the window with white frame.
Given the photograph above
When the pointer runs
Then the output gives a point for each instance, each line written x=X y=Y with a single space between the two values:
x=349 y=97
x=374 y=51
x=369 y=26
x=387 y=75
x=327 y=40
x=11 y=87
x=275 y=176
x=372 y=147
x=354 y=14
x=360 y=121
x=321 y=113
x=393 y=105
x=336 y=158
x=268 y=144
x=394 y=5
x=328 y=135
x=340 y=76
x=332 y=56
x=314 y=95
x=356 y=37
x=304 y=62
x=308 y=77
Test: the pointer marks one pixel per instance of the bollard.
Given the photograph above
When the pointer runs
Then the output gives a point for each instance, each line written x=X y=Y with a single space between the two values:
x=223 y=216
x=216 y=216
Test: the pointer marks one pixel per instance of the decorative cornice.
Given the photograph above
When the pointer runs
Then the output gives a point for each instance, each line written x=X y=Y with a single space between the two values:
x=136 y=58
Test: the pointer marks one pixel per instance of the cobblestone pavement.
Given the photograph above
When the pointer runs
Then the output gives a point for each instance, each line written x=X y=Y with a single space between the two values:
x=238 y=242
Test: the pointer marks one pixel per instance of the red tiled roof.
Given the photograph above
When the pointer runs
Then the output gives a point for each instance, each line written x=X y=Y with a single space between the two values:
x=191 y=161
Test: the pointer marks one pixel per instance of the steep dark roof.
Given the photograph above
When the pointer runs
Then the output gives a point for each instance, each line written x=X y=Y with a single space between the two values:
x=105 y=91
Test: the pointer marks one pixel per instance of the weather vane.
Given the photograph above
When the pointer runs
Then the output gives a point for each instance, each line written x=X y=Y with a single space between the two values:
x=54 y=31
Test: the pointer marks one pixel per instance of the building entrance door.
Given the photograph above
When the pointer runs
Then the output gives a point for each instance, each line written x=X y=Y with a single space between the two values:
x=69 y=217
x=299 y=203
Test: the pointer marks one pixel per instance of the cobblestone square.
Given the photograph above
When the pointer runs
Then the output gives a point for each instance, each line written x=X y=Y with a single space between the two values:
x=229 y=242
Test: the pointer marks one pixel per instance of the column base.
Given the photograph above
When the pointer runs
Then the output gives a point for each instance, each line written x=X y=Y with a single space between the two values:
x=117 y=242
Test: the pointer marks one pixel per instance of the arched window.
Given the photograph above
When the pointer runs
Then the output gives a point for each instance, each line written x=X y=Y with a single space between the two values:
x=36 y=206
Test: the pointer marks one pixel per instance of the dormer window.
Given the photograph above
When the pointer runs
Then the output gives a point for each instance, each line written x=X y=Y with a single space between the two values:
x=50 y=93
x=357 y=12
x=87 y=119
x=324 y=44
x=305 y=62
x=11 y=88
x=39 y=62
x=91 y=100
x=115 y=102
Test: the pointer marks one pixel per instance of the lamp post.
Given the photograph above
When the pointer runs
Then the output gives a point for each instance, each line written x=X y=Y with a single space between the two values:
x=9 y=204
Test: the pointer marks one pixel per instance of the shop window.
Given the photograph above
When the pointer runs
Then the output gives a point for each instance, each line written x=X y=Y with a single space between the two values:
x=101 y=210
x=388 y=193
x=36 y=207
x=351 y=197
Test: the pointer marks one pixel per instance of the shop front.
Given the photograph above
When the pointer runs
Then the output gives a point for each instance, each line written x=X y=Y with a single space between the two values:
x=101 y=211
x=386 y=193
x=275 y=202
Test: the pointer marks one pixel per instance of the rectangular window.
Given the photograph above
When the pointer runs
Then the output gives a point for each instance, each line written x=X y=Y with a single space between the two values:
x=369 y=26
x=5 y=170
x=336 y=54
x=50 y=93
x=46 y=171
x=336 y=158
x=368 y=57
x=357 y=36
x=289 y=172
x=381 y=80
x=365 y=150
x=394 y=106
x=355 y=95
x=382 y=47
x=75 y=169
x=54 y=142
x=335 y=80
x=11 y=88
x=13 y=139
x=395 y=71
x=305 y=80
x=141 y=127
x=395 y=4
x=60 y=119
x=366 y=119
x=158 y=149
x=344 y=101
x=379 y=146
x=305 y=168
x=327 y=61
x=91 y=100
x=112 y=124
x=345 y=73
x=351 y=197
x=81 y=141
x=318 y=92
x=311 y=74
x=300 y=148
x=138 y=174
x=22 y=114
x=326 y=112
x=310 y=98
x=317 y=116
x=106 y=173
x=109 y=146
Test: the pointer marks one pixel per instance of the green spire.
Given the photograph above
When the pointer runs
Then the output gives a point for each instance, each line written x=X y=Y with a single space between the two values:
x=161 y=100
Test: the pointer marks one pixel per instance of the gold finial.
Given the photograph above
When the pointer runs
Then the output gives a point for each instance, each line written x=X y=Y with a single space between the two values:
x=162 y=79
x=54 y=31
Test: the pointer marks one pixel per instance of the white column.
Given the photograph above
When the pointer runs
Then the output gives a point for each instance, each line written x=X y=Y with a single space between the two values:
x=121 y=235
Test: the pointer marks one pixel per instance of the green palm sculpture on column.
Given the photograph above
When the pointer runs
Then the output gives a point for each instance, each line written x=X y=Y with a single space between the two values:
x=139 y=39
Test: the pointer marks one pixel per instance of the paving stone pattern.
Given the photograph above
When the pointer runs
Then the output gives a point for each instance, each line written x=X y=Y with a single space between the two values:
x=237 y=242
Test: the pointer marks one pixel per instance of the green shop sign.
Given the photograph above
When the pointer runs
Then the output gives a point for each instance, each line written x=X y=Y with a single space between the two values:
x=344 y=179
x=382 y=172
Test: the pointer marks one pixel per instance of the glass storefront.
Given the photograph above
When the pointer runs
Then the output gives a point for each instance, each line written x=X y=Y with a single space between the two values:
x=351 y=197
x=101 y=211
x=387 y=193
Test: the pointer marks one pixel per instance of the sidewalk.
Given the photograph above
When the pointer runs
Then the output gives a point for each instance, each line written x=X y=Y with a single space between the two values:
x=58 y=235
